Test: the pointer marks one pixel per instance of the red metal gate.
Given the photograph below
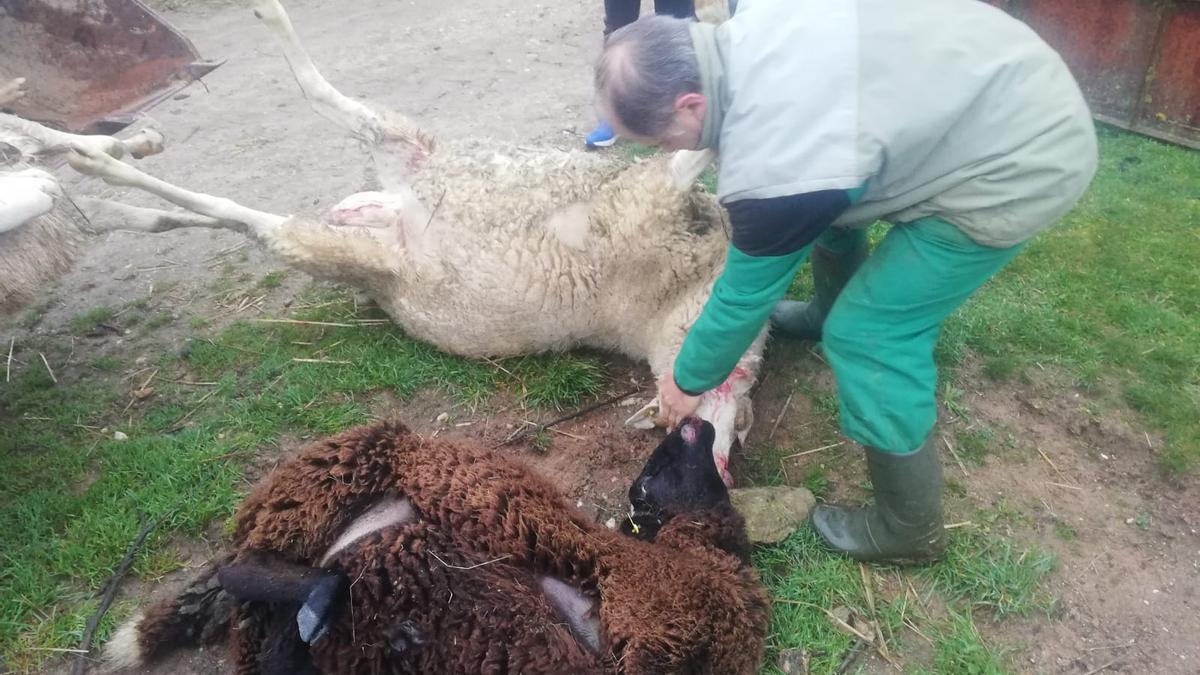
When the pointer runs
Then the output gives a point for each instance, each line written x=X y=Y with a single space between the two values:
x=1138 y=61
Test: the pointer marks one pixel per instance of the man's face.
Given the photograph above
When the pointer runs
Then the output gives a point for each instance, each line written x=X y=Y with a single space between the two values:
x=683 y=132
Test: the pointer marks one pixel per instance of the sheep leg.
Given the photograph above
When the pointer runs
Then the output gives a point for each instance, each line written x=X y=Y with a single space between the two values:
x=360 y=120
x=11 y=90
x=283 y=652
x=143 y=143
x=320 y=594
x=198 y=615
x=398 y=145
x=105 y=216
x=114 y=172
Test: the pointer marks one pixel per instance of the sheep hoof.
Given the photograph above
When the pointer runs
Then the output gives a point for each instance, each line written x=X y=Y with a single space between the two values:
x=646 y=418
x=321 y=607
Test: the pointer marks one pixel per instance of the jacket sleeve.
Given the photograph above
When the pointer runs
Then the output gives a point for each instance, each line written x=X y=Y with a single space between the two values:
x=771 y=239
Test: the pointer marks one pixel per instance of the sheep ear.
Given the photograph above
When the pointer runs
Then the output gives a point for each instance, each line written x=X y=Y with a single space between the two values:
x=646 y=418
x=687 y=165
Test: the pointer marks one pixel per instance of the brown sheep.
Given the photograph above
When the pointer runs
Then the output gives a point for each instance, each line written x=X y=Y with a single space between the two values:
x=394 y=553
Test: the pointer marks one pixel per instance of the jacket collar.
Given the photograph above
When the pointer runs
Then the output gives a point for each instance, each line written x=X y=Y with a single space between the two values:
x=710 y=53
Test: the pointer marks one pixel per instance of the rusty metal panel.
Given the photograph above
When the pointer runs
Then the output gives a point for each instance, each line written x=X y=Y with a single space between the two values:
x=1137 y=61
x=1108 y=44
x=88 y=61
x=1170 y=106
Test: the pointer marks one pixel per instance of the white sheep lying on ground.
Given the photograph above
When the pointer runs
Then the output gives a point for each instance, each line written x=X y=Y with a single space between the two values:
x=41 y=228
x=486 y=249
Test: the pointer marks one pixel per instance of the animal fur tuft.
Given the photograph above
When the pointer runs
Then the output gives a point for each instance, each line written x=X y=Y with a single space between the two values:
x=124 y=651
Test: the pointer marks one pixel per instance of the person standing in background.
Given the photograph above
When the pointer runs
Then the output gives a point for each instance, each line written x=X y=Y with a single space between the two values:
x=621 y=13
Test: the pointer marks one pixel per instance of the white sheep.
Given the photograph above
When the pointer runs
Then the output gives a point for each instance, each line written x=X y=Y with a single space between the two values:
x=41 y=228
x=488 y=249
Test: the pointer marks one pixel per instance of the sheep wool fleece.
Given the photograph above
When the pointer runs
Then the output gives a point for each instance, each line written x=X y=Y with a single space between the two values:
x=463 y=576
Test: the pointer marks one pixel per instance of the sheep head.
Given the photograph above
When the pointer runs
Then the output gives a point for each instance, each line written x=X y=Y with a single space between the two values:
x=680 y=477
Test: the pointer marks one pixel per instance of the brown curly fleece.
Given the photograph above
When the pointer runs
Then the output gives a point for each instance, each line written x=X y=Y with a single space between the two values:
x=464 y=575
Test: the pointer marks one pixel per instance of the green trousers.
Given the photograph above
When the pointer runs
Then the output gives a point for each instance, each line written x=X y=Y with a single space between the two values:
x=880 y=332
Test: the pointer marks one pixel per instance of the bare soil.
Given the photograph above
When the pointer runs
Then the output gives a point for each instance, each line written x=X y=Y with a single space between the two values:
x=1127 y=579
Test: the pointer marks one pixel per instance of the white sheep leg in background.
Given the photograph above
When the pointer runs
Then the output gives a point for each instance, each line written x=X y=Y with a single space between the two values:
x=33 y=138
x=357 y=118
x=106 y=216
x=115 y=172
x=398 y=146
x=11 y=90
x=367 y=256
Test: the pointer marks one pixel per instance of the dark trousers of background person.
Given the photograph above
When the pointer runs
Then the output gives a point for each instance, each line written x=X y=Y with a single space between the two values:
x=618 y=13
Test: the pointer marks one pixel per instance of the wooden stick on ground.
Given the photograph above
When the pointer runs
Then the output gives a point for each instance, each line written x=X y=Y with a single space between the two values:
x=820 y=449
x=845 y=627
x=866 y=581
x=1103 y=667
x=298 y=322
x=1052 y=465
x=110 y=592
x=8 y=367
x=52 y=377
x=782 y=412
x=955 y=454
x=526 y=432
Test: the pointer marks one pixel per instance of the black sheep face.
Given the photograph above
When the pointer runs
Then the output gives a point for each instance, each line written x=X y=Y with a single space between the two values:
x=680 y=477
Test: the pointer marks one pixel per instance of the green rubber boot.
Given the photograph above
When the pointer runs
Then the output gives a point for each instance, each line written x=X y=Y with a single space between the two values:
x=831 y=271
x=905 y=523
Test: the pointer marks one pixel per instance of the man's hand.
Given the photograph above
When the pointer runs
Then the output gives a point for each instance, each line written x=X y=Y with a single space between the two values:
x=674 y=405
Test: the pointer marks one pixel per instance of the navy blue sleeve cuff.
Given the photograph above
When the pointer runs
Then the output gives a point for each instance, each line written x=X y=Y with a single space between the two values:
x=783 y=225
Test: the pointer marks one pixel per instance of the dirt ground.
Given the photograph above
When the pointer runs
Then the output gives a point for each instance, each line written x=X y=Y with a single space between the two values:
x=1127 y=540
x=1127 y=581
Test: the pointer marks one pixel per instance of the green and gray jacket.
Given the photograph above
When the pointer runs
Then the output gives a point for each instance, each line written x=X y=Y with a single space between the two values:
x=842 y=112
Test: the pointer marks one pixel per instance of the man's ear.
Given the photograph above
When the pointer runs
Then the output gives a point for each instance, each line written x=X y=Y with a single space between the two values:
x=693 y=104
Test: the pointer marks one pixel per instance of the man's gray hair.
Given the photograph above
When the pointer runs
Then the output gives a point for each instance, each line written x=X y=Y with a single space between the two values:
x=644 y=67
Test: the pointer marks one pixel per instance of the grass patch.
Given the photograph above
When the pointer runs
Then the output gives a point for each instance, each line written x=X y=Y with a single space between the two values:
x=105 y=363
x=272 y=280
x=157 y=320
x=1110 y=294
x=817 y=482
x=636 y=151
x=975 y=443
x=802 y=577
x=88 y=320
x=74 y=499
x=984 y=570
x=1065 y=532
x=959 y=649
